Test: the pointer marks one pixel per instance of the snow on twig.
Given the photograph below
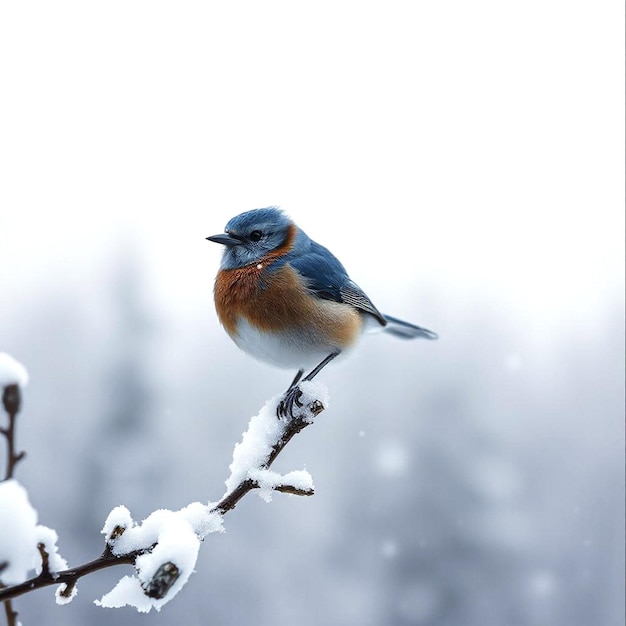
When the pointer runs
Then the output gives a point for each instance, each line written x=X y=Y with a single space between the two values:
x=164 y=547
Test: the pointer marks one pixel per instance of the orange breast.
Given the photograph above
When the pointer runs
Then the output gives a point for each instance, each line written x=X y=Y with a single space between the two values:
x=278 y=301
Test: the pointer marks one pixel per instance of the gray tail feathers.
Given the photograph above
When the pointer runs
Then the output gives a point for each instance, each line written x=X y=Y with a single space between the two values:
x=404 y=330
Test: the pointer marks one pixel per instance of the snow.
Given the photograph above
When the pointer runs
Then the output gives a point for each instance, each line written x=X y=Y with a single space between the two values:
x=177 y=544
x=312 y=391
x=542 y=583
x=268 y=480
x=176 y=537
x=389 y=549
x=12 y=372
x=172 y=539
x=264 y=431
x=200 y=518
x=392 y=458
x=119 y=517
x=60 y=596
x=48 y=537
x=127 y=592
x=20 y=535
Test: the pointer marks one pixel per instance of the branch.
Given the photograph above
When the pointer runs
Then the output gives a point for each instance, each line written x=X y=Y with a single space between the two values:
x=69 y=577
x=294 y=491
x=11 y=615
x=11 y=399
x=292 y=427
x=256 y=476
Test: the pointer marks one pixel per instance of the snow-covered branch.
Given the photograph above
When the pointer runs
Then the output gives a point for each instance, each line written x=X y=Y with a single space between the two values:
x=163 y=548
x=13 y=377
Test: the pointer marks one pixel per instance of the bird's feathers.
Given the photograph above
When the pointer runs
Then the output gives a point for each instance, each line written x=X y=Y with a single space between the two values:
x=266 y=252
x=352 y=294
x=406 y=330
x=327 y=278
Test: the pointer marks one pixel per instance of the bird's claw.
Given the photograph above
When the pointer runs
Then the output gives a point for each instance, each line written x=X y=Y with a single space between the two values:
x=289 y=402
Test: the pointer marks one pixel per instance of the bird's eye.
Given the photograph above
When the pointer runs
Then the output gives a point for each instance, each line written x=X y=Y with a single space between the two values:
x=256 y=235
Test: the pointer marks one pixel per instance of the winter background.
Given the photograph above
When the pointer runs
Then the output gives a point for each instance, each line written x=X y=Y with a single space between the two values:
x=465 y=161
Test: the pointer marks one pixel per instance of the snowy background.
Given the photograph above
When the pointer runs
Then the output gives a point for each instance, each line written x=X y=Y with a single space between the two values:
x=465 y=162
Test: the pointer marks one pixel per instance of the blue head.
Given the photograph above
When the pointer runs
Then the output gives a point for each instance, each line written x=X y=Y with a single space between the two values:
x=249 y=236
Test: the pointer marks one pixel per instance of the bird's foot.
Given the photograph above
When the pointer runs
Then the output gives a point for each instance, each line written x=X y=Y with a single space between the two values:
x=289 y=402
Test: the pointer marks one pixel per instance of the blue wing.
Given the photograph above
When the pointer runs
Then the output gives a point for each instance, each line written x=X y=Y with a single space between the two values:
x=324 y=274
x=328 y=279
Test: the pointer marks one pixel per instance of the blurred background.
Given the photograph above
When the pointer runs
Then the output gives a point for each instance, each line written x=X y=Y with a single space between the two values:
x=465 y=161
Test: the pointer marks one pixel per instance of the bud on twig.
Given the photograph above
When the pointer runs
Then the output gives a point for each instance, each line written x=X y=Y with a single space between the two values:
x=12 y=399
x=117 y=532
x=45 y=559
x=162 y=581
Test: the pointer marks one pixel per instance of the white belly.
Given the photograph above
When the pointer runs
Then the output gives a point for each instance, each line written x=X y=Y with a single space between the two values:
x=290 y=350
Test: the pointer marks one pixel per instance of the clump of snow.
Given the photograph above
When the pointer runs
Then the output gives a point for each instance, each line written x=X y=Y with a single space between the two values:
x=48 y=537
x=198 y=517
x=20 y=535
x=170 y=537
x=119 y=517
x=267 y=480
x=299 y=479
x=127 y=592
x=265 y=430
x=62 y=597
x=312 y=391
x=203 y=519
x=177 y=543
x=12 y=372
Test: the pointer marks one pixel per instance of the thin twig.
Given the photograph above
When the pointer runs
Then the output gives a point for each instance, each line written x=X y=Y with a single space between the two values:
x=10 y=613
x=11 y=399
x=294 y=491
x=45 y=559
x=69 y=576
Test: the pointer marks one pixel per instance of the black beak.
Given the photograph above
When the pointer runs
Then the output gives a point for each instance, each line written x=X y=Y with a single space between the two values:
x=225 y=240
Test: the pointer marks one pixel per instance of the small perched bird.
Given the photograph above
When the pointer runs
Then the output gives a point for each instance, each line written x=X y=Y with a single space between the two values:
x=286 y=300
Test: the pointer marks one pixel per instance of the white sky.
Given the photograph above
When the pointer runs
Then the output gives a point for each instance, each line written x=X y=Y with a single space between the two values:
x=474 y=147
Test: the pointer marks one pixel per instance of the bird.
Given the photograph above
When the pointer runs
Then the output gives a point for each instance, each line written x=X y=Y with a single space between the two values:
x=287 y=300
